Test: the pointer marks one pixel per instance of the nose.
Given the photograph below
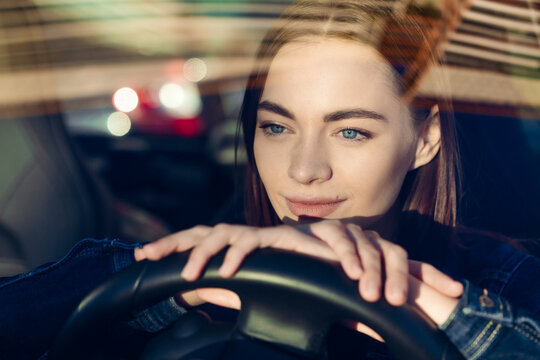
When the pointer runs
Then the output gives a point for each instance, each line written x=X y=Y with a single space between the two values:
x=310 y=163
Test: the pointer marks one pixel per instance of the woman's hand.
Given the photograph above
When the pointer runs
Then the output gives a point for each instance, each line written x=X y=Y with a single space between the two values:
x=361 y=253
x=431 y=291
x=364 y=255
x=208 y=241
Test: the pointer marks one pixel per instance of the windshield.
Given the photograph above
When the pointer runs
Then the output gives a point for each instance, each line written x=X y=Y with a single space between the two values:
x=150 y=91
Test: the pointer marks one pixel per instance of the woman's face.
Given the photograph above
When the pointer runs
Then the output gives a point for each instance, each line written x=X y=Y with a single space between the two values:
x=333 y=138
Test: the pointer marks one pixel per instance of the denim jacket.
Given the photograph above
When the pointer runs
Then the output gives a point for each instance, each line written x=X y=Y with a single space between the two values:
x=498 y=316
x=35 y=305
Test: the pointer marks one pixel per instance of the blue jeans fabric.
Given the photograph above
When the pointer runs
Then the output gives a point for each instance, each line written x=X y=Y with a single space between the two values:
x=486 y=326
x=35 y=305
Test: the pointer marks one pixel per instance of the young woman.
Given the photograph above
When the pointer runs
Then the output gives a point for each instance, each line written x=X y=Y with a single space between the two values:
x=340 y=167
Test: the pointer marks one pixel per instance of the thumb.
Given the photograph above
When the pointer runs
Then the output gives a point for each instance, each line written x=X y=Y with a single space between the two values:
x=220 y=297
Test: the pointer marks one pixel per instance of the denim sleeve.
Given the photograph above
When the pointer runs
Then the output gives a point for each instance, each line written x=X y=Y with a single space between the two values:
x=156 y=317
x=35 y=305
x=486 y=326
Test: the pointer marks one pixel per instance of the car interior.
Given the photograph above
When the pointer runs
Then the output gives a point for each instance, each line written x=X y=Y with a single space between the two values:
x=77 y=160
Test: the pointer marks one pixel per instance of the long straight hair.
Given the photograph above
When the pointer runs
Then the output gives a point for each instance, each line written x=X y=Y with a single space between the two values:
x=408 y=40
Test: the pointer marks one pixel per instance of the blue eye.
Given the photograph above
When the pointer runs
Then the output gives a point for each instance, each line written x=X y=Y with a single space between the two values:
x=350 y=134
x=273 y=129
x=276 y=129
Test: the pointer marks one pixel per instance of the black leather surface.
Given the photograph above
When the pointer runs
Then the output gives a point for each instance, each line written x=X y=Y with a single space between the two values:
x=287 y=299
x=48 y=201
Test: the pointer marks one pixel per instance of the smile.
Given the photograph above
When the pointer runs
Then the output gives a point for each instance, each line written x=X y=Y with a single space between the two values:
x=313 y=207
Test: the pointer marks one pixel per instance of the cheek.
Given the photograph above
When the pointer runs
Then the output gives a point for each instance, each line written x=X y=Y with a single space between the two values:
x=375 y=176
x=270 y=164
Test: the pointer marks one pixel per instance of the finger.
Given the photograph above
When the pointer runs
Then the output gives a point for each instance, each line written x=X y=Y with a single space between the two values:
x=363 y=329
x=177 y=242
x=220 y=297
x=216 y=240
x=162 y=247
x=433 y=303
x=435 y=278
x=281 y=237
x=245 y=244
x=370 y=257
x=397 y=271
x=291 y=239
x=335 y=234
x=189 y=299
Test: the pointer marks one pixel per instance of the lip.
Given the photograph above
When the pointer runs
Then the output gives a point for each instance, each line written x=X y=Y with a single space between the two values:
x=316 y=208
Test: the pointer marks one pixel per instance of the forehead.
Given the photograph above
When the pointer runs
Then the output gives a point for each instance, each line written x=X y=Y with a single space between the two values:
x=332 y=74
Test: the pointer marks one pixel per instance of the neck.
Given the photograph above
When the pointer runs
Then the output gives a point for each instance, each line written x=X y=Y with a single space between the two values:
x=387 y=225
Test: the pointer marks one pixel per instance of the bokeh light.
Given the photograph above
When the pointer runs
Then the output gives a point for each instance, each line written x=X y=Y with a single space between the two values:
x=188 y=127
x=118 y=124
x=172 y=95
x=181 y=100
x=195 y=70
x=125 y=99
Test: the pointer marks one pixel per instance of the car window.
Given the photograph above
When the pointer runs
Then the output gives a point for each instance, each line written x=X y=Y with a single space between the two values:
x=150 y=91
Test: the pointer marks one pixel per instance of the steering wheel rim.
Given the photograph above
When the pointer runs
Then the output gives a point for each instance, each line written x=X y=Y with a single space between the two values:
x=317 y=293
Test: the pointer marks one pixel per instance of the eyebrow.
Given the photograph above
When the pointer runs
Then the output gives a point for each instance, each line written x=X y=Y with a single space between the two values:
x=276 y=109
x=334 y=116
x=354 y=113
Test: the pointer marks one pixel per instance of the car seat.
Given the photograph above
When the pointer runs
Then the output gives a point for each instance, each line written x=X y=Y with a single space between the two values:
x=49 y=200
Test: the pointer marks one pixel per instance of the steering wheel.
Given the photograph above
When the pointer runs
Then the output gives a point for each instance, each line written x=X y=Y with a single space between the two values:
x=287 y=299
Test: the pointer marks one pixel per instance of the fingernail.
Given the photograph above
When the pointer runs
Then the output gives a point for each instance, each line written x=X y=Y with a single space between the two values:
x=356 y=270
x=224 y=271
x=228 y=268
x=372 y=290
x=398 y=293
x=187 y=272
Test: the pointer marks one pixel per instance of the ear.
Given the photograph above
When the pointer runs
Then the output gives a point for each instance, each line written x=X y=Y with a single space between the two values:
x=429 y=140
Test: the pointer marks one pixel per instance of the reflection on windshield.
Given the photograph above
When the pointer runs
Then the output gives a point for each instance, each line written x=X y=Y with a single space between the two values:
x=151 y=89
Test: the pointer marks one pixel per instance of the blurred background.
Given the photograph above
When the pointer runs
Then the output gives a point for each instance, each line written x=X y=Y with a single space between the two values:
x=118 y=117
